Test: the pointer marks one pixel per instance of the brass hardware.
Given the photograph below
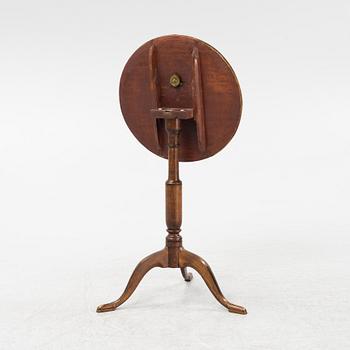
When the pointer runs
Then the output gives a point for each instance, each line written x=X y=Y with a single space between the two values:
x=175 y=80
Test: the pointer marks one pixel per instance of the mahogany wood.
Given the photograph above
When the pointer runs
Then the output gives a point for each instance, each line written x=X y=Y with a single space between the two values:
x=154 y=90
x=186 y=259
x=173 y=255
x=208 y=85
x=197 y=100
x=173 y=119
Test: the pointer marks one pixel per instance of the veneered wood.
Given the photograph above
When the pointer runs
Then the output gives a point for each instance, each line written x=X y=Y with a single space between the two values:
x=216 y=97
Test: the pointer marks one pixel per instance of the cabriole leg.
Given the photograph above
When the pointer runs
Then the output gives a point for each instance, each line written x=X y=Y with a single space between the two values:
x=188 y=259
x=158 y=259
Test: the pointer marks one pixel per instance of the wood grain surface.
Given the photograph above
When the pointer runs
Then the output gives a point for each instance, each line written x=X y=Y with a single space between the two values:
x=217 y=101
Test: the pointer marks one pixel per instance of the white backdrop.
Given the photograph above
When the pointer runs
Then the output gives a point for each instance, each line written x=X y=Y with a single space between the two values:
x=81 y=201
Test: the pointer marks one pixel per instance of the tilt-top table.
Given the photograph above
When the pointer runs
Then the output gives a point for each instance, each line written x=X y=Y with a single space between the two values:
x=182 y=101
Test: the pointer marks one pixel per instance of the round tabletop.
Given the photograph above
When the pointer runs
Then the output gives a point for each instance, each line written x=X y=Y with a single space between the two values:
x=186 y=75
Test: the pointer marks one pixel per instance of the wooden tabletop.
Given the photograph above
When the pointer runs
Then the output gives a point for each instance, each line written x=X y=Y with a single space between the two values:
x=183 y=75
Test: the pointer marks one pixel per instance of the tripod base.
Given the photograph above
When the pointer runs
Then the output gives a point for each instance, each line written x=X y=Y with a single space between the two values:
x=185 y=259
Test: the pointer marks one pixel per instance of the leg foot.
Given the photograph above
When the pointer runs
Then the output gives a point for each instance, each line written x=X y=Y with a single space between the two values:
x=189 y=259
x=158 y=259
x=186 y=275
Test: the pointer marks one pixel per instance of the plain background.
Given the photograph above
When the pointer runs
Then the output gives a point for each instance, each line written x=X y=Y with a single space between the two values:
x=81 y=201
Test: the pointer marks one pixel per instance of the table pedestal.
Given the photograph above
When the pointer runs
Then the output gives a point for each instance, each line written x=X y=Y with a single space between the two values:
x=173 y=255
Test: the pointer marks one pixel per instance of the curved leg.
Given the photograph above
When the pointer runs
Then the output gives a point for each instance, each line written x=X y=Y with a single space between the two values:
x=158 y=259
x=186 y=275
x=187 y=258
